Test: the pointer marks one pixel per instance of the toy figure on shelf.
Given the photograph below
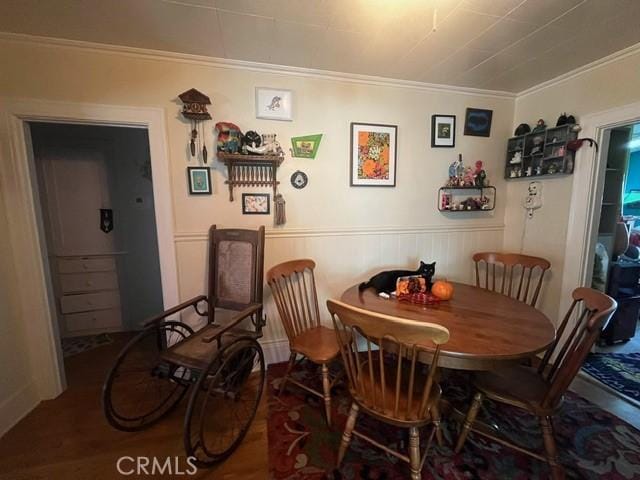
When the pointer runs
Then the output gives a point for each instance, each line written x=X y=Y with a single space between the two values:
x=480 y=176
x=540 y=127
x=516 y=159
x=468 y=179
x=270 y=146
x=455 y=172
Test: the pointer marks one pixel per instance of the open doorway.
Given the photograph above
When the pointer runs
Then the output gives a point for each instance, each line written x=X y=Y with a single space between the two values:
x=616 y=360
x=95 y=193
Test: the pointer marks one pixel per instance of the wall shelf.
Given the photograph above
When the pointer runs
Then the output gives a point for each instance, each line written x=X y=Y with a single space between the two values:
x=453 y=199
x=251 y=170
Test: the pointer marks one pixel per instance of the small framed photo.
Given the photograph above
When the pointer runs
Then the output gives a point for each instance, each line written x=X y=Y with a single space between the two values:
x=443 y=131
x=373 y=155
x=256 y=204
x=477 y=122
x=199 y=180
x=274 y=104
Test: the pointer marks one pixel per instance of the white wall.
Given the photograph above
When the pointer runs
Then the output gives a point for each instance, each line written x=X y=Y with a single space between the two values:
x=611 y=85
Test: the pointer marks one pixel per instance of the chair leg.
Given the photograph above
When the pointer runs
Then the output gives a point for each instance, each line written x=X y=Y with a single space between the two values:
x=468 y=421
x=326 y=388
x=292 y=360
x=557 y=472
x=346 y=436
x=435 y=412
x=414 y=453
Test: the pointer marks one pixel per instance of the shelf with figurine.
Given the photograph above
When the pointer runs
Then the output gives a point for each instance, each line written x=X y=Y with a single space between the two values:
x=455 y=195
x=543 y=151
x=252 y=160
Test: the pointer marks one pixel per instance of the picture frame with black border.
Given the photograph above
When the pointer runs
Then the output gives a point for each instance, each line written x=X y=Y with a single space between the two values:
x=443 y=131
x=256 y=204
x=199 y=180
x=477 y=122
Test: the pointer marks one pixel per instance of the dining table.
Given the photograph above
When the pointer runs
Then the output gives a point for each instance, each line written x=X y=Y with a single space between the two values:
x=486 y=329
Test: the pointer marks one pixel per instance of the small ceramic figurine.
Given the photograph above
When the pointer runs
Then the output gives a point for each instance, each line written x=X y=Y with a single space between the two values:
x=539 y=170
x=229 y=135
x=468 y=178
x=481 y=179
x=540 y=127
x=512 y=174
x=529 y=171
x=552 y=169
x=516 y=159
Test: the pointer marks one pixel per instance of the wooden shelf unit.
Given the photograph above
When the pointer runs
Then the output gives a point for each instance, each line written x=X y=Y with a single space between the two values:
x=251 y=170
x=541 y=152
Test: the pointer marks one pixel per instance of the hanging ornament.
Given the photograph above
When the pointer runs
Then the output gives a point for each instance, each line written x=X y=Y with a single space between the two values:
x=195 y=109
x=299 y=179
x=280 y=217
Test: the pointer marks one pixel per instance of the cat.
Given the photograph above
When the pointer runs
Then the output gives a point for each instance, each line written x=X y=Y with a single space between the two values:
x=386 y=281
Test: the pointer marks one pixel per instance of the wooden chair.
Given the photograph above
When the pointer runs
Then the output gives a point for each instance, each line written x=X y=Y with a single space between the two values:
x=539 y=390
x=514 y=276
x=389 y=384
x=294 y=291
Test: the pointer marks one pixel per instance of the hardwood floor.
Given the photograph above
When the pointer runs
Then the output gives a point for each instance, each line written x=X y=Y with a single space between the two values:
x=69 y=438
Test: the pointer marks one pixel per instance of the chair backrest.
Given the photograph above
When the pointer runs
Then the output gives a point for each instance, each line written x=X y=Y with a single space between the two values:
x=589 y=313
x=512 y=274
x=236 y=266
x=294 y=290
x=400 y=342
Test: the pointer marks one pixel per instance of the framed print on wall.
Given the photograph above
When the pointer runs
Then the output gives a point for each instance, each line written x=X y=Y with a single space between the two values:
x=477 y=122
x=373 y=155
x=443 y=131
x=274 y=104
x=256 y=204
x=199 y=180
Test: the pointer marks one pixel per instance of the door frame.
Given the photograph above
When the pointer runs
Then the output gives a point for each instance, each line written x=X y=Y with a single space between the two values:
x=19 y=187
x=586 y=197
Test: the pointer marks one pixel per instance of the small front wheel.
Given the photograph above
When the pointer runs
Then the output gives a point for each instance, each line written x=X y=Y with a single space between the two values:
x=224 y=402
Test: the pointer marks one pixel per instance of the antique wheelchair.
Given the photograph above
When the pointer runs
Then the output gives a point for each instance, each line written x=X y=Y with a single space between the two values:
x=222 y=363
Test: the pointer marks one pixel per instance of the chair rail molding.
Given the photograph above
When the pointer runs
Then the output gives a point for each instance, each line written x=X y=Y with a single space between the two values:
x=17 y=185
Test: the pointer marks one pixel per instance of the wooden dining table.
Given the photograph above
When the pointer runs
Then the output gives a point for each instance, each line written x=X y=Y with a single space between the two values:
x=486 y=329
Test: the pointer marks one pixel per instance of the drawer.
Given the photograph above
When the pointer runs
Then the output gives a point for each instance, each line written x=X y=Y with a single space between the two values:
x=89 y=301
x=111 y=318
x=88 y=282
x=86 y=264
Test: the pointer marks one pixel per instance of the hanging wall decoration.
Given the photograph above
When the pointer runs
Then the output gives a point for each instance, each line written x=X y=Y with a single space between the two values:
x=256 y=204
x=443 y=131
x=477 y=122
x=373 y=155
x=195 y=109
x=305 y=147
x=274 y=104
x=199 y=180
x=299 y=179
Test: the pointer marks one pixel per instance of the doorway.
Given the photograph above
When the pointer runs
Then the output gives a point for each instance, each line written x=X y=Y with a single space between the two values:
x=95 y=193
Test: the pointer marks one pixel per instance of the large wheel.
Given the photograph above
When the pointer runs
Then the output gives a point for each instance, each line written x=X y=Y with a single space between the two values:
x=224 y=402
x=142 y=387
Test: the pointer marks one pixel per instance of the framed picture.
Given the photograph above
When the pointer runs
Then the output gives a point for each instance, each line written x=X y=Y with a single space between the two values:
x=477 y=122
x=274 y=104
x=306 y=147
x=256 y=204
x=373 y=155
x=443 y=131
x=199 y=180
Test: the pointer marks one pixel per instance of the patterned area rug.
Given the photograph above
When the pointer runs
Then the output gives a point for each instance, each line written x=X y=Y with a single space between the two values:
x=75 y=345
x=593 y=443
x=619 y=371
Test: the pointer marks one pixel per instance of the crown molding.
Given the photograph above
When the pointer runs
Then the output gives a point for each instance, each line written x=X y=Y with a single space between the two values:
x=601 y=62
x=217 y=62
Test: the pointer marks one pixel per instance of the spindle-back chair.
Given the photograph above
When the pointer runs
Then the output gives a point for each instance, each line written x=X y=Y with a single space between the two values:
x=294 y=292
x=539 y=390
x=515 y=275
x=386 y=380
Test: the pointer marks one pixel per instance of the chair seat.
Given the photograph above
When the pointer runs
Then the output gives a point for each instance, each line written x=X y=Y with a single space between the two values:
x=517 y=385
x=386 y=411
x=318 y=344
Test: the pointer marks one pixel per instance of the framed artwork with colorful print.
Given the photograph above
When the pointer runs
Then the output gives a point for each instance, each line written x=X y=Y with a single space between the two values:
x=373 y=155
x=199 y=180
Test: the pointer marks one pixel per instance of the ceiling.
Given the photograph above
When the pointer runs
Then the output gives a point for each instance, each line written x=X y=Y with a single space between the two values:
x=507 y=45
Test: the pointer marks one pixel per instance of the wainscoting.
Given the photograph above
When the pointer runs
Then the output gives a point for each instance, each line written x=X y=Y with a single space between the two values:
x=344 y=256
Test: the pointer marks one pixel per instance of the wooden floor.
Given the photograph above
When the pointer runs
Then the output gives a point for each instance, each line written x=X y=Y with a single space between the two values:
x=69 y=438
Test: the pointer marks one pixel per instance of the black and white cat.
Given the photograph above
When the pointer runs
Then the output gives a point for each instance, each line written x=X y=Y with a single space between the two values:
x=386 y=281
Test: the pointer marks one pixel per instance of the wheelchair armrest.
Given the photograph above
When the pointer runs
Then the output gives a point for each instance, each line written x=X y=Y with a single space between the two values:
x=189 y=303
x=241 y=315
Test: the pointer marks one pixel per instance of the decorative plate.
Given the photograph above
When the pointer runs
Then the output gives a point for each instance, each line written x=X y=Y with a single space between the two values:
x=299 y=179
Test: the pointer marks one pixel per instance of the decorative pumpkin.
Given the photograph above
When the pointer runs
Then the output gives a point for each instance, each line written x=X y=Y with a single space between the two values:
x=442 y=289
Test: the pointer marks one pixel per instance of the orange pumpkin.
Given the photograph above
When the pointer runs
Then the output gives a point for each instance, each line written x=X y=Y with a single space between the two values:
x=442 y=289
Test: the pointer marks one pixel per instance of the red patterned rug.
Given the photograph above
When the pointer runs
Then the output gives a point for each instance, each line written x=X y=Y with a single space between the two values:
x=593 y=443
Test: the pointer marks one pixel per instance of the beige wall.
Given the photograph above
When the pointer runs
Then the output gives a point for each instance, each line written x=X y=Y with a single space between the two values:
x=351 y=232
x=611 y=85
